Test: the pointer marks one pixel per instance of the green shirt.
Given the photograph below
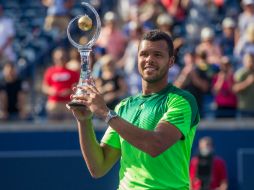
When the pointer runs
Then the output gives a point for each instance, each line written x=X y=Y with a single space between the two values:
x=169 y=170
x=245 y=97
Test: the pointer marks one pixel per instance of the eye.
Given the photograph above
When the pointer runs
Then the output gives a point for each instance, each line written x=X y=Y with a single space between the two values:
x=143 y=54
x=158 y=54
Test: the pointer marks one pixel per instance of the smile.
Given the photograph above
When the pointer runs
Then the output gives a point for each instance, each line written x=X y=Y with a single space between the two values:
x=150 y=69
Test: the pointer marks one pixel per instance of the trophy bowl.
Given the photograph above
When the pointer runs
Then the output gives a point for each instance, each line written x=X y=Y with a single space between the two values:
x=82 y=32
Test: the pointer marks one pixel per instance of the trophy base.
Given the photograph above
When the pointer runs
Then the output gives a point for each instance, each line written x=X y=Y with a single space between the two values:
x=77 y=105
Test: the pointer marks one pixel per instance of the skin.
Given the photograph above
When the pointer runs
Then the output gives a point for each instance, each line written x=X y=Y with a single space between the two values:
x=153 y=64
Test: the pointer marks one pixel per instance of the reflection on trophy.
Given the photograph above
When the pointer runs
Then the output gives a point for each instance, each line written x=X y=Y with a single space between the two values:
x=88 y=26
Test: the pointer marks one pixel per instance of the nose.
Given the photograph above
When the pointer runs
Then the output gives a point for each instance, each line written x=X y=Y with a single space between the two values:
x=149 y=59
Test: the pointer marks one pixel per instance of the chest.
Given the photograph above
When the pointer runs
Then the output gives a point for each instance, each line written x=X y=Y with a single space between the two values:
x=146 y=113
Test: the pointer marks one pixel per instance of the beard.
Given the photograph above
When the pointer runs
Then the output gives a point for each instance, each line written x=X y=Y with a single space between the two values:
x=155 y=78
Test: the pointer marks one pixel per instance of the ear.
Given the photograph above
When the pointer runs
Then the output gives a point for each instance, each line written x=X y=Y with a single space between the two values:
x=171 y=61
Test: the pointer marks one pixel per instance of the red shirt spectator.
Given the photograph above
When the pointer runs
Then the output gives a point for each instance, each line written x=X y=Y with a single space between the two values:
x=207 y=171
x=57 y=85
x=62 y=80
x=218 y=173
x=225 y=96
x=176 y=8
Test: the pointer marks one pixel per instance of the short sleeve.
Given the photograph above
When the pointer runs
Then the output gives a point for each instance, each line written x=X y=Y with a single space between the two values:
x=111 y=137
x=179 y=114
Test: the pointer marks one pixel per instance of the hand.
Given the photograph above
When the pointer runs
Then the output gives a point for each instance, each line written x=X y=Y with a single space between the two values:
x=92 y=99
x=108 y=97
x=187 y=69
x=83 y=114
x=52 y=91
x=221 y=76
x=250 y=79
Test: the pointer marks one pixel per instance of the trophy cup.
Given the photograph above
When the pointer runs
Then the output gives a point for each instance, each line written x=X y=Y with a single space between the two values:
x=86 y=27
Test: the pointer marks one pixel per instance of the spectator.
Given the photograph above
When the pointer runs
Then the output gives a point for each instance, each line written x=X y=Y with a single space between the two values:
x=13 y=94
x=207 y=170
x=225 y=98
x=58 y=14
x=176 y=8
x=74 y=62
x=246 y=17
x=7 y=33
x=194 y=77
x=227 y=40
x=209 y=46
x=128 y=63
x=57 y=85
x=111 y=37
x=244 y=86
x=148 y=13
x=246 y=43
x=166 y=24
x=111 y=84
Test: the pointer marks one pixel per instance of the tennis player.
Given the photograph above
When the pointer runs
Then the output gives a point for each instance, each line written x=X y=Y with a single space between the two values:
x=151 y=133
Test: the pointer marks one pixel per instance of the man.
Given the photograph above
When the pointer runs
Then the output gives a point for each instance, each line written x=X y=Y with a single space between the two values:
x=13 y=94
x=57 y=84
x=244 y=86
x=7 y=33
x=151 y=133
x=207 y=170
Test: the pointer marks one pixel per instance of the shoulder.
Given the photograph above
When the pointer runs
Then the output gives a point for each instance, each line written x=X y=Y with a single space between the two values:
x=185 y=103
x=218 y=160
x=125 y=102
x=49 y=70
x=177 y=94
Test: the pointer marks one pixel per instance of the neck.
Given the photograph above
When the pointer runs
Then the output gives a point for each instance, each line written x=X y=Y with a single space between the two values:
x=149 y=88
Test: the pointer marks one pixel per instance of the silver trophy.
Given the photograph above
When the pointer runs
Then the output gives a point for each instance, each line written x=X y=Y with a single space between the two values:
x=82 y=32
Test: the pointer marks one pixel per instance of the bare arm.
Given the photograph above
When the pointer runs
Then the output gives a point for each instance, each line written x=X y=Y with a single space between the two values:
x=199 y=82
x=6 y=44
x=99 y=158
x=152 y=142
x=240 y=86
x=181 y=80
x=48 y=90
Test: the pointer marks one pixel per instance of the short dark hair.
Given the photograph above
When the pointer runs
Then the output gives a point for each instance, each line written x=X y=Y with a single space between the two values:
x=156 y=35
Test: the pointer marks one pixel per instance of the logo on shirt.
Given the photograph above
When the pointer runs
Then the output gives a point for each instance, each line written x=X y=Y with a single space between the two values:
x=61 y=77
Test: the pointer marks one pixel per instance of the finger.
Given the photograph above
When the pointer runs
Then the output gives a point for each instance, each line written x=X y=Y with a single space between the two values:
x=83 y=102
x=93 y=89
x=84 y=97
x=89 y=89
x=74 y=89
x=68 y=107
x=91 y=81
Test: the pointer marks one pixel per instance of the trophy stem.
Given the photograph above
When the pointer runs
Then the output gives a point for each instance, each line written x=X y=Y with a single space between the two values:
x=85 y=71
x=85 y=74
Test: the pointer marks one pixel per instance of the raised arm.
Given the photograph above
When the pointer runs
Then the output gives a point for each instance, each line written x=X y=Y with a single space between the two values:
x=99 y=157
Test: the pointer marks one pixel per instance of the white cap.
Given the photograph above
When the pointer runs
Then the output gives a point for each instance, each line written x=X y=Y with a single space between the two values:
x=164 y=19
x=228 y=23
x=207 y=33
x=248 y=2
x=109 y=16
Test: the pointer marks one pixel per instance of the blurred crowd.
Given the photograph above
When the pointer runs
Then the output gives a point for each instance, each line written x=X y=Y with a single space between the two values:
x=214 y=53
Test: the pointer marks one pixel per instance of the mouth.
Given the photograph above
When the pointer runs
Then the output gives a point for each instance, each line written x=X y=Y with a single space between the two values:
x=150 y=68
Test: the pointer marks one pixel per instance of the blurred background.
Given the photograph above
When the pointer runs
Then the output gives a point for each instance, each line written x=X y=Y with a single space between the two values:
x=214 y=51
